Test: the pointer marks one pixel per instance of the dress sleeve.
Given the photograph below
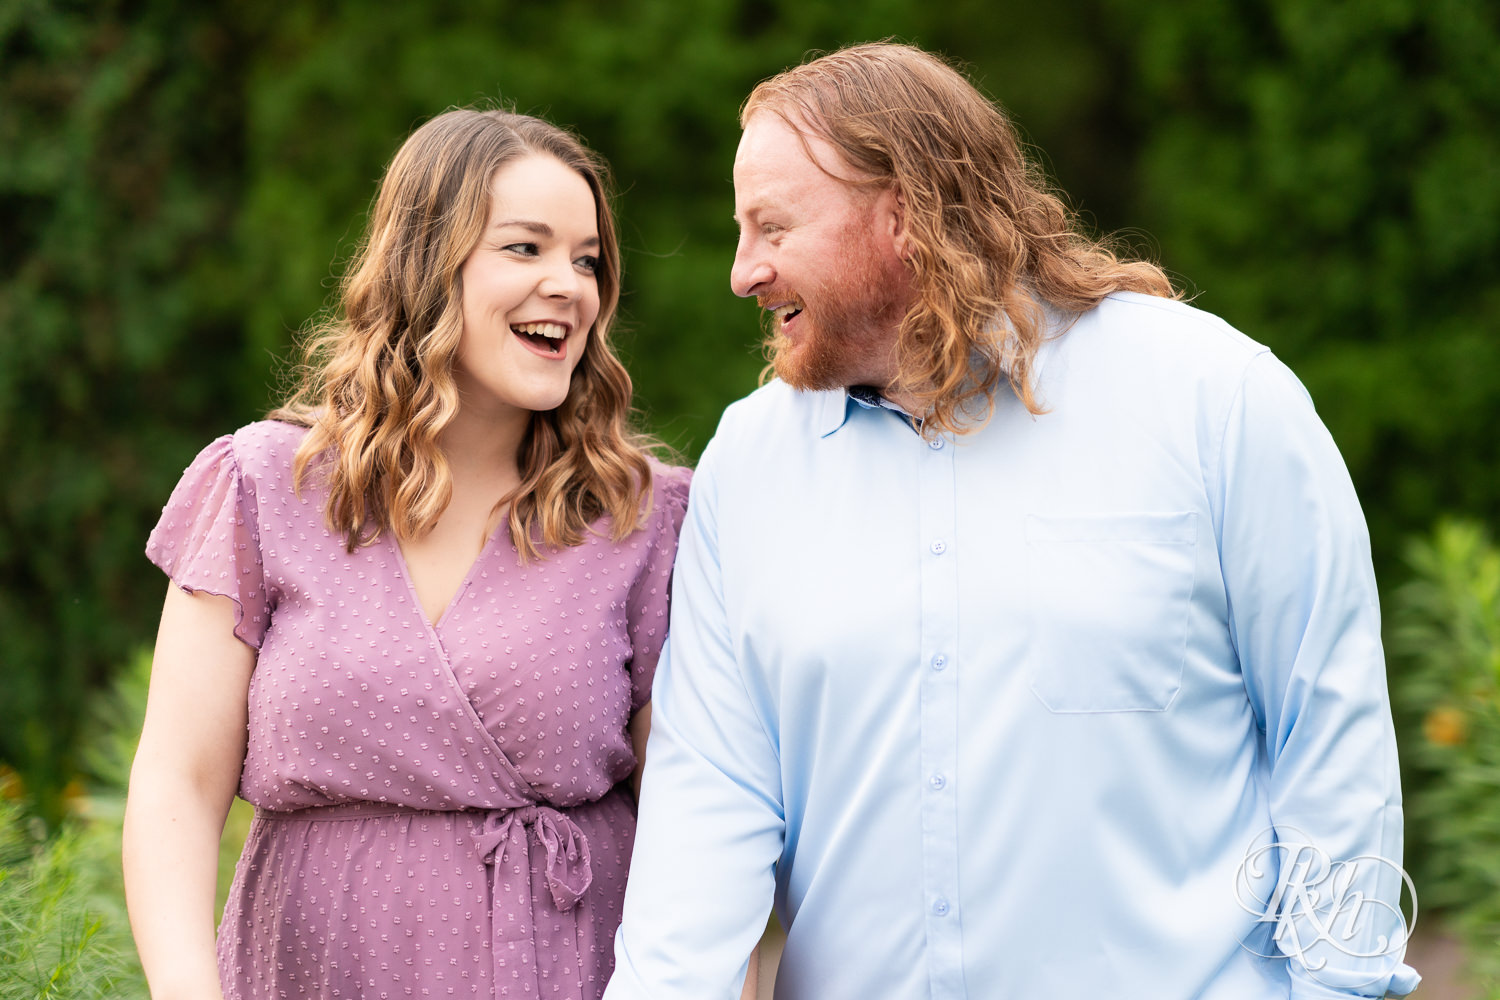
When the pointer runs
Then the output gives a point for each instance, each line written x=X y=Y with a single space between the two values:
x=207 y=539
x=1305 y=620
x=650 y=597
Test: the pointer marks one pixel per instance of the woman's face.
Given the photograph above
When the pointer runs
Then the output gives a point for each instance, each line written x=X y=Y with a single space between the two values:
x=530 y=294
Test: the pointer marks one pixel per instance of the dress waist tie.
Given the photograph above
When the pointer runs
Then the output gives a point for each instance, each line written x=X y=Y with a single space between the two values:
x=568 y=872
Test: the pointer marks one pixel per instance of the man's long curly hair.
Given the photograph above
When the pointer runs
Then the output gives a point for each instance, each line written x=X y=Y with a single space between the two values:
x=988 y=241
x=377 y=387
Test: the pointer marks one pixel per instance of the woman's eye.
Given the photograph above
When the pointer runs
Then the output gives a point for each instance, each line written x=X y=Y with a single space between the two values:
x=524 y=249
x=588 y=265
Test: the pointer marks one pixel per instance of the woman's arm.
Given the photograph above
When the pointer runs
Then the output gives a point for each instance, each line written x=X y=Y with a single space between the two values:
x=181 y=786
x=640 y=731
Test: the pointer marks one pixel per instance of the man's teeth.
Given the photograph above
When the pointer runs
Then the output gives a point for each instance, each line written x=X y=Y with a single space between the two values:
x=551 y=331
x=784 y=313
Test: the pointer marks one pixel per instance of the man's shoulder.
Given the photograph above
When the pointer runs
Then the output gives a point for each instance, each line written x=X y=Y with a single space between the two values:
x=777 y=409
x=1150 y=324
x=1144 y=351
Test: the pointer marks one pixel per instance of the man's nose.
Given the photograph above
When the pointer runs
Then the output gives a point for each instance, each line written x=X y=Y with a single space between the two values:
x=752 y=271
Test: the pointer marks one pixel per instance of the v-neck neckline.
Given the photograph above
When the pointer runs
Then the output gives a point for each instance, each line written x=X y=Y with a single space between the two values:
x=514 y=781
x=433 y=625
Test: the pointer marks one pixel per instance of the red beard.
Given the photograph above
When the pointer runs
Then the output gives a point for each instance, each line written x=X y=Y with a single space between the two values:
x=847 y=328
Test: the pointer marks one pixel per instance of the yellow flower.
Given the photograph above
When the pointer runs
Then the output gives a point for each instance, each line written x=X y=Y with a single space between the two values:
x=12 y=787
x=1447 y=727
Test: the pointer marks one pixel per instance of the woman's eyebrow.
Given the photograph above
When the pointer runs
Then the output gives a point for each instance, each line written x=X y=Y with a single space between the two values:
x=539 y=228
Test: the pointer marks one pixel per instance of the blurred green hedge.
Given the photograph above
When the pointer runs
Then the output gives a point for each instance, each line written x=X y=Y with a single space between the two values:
x=180 y=184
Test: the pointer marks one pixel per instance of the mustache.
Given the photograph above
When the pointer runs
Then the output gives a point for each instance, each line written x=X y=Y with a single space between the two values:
x=779 y=297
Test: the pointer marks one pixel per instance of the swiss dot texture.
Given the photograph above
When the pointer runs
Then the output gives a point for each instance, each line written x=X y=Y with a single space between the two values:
x=439 y=808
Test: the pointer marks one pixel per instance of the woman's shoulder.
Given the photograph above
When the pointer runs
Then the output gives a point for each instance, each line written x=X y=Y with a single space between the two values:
x=267 y=439
x=264 y=450
x=669 y=483
x=669 y=491
x=257 y=453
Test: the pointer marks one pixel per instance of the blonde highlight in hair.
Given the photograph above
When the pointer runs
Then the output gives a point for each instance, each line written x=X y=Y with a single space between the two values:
x=377 y=387
x=988 y=242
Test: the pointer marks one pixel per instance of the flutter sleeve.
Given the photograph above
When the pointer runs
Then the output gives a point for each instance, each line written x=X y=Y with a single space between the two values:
x=207 y=539
x=650 y=597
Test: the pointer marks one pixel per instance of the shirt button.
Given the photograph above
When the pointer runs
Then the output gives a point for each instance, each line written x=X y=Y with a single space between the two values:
x=939 y=548
x=937 y=781
x=936 y=444
x=939 y=662
x=940 y=907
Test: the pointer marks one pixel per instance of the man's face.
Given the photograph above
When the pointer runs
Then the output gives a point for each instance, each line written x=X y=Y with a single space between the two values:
x=821 y=255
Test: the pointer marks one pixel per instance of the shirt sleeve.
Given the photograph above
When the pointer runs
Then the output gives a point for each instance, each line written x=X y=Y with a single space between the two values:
x=207 y=539
x=1305 y=621
x=711 y=819
x=650 y=596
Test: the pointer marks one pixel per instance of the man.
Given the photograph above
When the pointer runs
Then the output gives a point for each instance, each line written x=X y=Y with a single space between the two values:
x=1024 y=640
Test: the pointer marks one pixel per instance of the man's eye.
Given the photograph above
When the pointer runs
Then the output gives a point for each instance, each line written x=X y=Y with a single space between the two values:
x=524 y=249
x=587 y=264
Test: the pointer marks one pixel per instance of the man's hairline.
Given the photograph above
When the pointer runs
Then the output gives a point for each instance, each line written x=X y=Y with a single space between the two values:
x=801 y=125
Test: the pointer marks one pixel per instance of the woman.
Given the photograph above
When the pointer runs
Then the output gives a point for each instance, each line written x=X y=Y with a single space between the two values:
x=415 y=615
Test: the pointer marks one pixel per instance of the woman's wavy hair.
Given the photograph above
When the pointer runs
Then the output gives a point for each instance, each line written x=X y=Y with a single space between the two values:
x=376 y=388
x=989 y=242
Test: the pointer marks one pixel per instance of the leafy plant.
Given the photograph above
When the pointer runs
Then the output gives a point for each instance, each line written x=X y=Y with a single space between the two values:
x=64 y=931
x=1446 y=639
x=53 y=945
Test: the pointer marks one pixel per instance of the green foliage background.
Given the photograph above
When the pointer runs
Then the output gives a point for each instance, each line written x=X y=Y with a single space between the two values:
x=180 y=184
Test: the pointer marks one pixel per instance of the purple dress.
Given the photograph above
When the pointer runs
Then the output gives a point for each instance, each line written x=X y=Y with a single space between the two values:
x=439 y=808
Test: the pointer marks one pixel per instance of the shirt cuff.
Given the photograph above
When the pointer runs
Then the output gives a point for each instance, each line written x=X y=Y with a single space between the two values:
x=1403 y=980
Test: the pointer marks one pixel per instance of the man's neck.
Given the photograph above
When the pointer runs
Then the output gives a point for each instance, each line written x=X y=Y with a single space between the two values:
x=903 y=401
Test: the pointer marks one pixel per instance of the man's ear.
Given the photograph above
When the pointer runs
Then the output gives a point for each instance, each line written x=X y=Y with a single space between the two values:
x=896 y=222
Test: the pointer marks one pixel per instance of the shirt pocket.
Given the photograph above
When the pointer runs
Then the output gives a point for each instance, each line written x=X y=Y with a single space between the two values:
x=1108 y=622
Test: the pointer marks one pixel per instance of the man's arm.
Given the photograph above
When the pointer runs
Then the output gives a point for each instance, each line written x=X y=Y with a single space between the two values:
x=711 y=821
x=640 y=732
x=1305 y=621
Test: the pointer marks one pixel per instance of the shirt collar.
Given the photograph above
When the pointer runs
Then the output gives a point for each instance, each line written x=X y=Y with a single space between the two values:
x=835 y=403
x=835 y=407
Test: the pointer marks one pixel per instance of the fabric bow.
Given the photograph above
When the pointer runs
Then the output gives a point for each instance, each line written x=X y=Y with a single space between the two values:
x=569 y=868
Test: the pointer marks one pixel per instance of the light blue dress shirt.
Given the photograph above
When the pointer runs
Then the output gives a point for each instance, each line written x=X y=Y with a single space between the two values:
x=1004 y=715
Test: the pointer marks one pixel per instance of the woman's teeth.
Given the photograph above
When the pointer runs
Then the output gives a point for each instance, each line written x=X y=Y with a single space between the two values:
x=548 y=335
x=552 y=331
